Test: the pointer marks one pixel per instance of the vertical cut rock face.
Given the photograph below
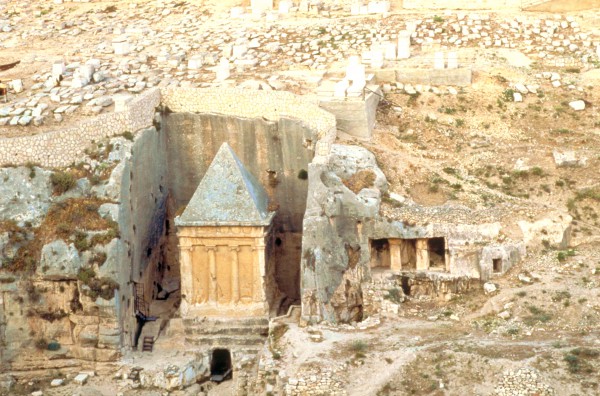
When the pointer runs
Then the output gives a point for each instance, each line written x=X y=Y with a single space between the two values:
x=276 y=153
x=76 y=296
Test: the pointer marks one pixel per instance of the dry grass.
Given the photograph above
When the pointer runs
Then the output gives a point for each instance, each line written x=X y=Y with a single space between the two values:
x=66 y=220
x=359 y=180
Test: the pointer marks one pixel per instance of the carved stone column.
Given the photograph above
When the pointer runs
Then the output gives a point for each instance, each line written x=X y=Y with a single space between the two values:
x=212 y=273
x=395 y=254
x=187 y=288
x=235 y=274
x=259 y=271
x=422 y=255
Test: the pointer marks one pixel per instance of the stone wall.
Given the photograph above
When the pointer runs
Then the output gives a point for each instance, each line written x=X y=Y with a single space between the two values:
x=463 y=4
x=269 y=105
x=63 y=147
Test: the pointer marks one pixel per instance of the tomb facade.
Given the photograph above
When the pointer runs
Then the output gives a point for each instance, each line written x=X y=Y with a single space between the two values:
x=224 y=242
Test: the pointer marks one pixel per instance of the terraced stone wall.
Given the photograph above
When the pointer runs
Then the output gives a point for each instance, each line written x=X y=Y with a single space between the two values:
x=63 y=147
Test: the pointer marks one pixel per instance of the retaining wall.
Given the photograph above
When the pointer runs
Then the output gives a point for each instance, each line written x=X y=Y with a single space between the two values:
x=270 y=105
x=63 y=147
x=462 y=4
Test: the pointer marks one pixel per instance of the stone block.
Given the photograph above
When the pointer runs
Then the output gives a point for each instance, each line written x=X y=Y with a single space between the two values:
x=438 y=61
x=452 y=60
x=80 y=379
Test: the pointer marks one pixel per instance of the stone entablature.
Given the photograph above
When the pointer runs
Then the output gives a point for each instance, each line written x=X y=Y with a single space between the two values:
x=222 y=271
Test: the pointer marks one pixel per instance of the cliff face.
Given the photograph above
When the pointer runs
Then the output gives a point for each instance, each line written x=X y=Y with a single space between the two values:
x=343 y=225
x=277 y=153
x=69 y=240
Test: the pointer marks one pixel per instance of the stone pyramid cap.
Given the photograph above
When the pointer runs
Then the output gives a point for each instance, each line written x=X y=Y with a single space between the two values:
x=227 y=195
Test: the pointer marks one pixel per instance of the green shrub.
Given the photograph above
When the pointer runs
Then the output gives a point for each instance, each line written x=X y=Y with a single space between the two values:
x=302 y=174
x=41 y=344
x=53 y=346
x=62 y=182
x=81 y=241
x=128 y=135
x=85 y=275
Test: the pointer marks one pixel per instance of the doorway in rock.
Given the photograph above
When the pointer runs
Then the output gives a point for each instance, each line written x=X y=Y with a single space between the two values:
x=497 y=265
x=380 y=253
x=220 y=365
x=437 y=253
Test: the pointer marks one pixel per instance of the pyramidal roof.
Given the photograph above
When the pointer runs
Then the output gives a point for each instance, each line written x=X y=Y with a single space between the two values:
x=227 y=195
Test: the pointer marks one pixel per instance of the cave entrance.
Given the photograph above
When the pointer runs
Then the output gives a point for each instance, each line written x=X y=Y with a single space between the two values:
x=422 y=254
x=436 y=248
x=220 y=365
x=380 y=253
x=497 y=265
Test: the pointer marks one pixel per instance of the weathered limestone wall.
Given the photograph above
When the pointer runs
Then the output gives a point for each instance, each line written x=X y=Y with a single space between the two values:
x=63 y=147
x=269 y=105
x=461 y=77
x=463 y=4
x=272 y=139
x=141 y=217
x=354 y=116
x=339 y=224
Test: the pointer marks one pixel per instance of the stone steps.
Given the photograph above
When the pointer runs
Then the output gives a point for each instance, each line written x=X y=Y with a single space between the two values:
x=226 y=322
x=238 y=333
x=237 y=330
x=226 y=341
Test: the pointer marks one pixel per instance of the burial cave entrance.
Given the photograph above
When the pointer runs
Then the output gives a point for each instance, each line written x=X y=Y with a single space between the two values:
x=380 y=254
x=220 y=365
x=497 y=265
x=436 y=248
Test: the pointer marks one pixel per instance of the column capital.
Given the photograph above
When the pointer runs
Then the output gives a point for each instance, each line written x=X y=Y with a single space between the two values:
x=208 y=248
x=234 y=248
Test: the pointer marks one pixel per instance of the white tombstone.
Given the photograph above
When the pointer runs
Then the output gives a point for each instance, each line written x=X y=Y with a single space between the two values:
x=438 y=61
x=285 y=6
x=364 y=10
x=95 y=62
x=195 y=62
x=598 y=51
x=390 y=51
x=452 y=60
x=377 y=58
x=223 y=70
x=121 y=47
x=86 y=72
x=17 y=85
x=340 y=89
x=236 y=12
x=354 y=91
x=373 y=7
x=58 y=69
x=355 y=8
x=403 y=44
x=355 y=71
x=411 y=26
x=260 y=6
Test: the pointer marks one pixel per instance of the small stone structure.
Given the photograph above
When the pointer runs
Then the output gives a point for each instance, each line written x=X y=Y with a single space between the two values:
x=224 y=234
